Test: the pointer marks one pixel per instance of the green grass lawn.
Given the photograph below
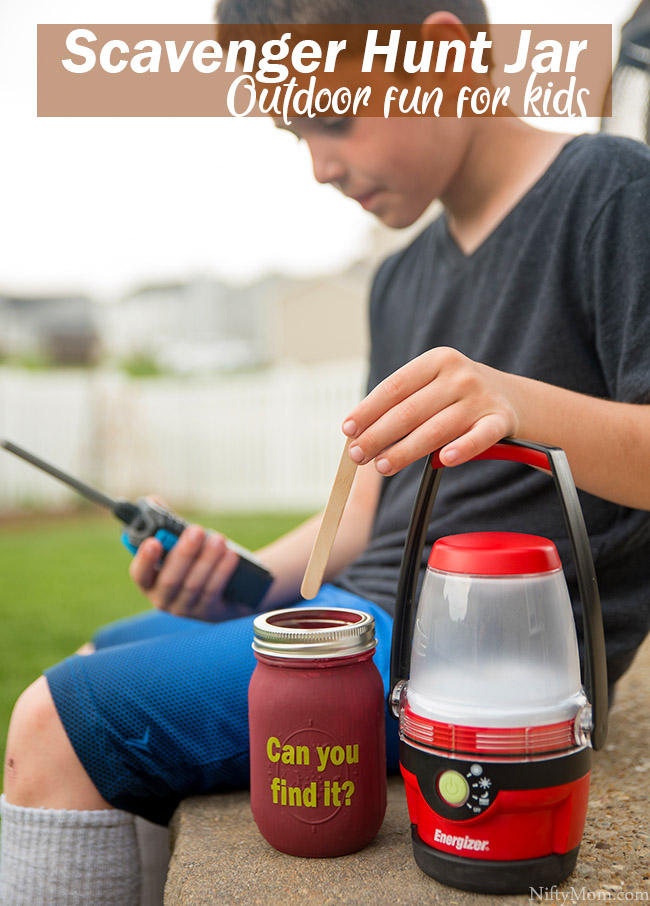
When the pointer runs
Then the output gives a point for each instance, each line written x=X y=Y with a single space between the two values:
x=62 y=577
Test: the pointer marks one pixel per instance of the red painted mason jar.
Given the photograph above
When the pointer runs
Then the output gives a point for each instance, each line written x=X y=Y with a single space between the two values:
x=317 y=743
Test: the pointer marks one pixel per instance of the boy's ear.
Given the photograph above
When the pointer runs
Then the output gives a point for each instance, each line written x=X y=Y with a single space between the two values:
x=446 y=24
x=443 y=25
x=442 y=18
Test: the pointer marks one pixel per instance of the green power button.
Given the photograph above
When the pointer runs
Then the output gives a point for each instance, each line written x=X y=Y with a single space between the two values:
x=453 y=788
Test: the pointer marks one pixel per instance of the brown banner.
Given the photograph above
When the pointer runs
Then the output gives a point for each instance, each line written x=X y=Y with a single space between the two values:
x=318 y=70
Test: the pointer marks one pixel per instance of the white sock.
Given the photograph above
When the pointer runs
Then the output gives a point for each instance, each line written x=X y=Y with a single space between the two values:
x=52 y=857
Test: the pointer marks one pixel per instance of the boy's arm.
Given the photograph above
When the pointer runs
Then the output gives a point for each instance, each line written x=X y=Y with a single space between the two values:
x=191 y=580
x=607 y=443
x=443 y=400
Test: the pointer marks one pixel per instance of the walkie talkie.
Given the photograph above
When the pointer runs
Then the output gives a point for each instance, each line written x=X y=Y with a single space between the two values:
x=145 y=519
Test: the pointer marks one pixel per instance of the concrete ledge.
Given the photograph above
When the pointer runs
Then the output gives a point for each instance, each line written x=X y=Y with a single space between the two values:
x=219 y=857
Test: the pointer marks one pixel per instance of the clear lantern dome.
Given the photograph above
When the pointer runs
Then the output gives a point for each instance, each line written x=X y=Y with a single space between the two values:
x=496 y=649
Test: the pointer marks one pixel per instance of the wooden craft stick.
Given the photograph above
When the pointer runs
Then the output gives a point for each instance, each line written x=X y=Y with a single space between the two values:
x=327 y=532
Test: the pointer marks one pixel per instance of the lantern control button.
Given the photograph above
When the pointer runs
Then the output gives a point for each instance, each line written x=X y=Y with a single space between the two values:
x=453 y=788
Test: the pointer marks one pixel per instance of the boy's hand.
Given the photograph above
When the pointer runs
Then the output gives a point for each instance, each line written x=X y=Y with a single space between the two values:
x=439 y=401
x=191 y=579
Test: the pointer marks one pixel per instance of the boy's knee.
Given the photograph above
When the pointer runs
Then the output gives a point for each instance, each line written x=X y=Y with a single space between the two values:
x=33 y=717
x=41 y=767
x=34 y=730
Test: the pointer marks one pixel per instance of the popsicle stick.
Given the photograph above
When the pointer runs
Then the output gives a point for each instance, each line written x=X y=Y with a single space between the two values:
x=327 y=532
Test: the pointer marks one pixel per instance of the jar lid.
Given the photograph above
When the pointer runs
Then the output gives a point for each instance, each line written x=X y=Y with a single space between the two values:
x=300 y=632
x=494 y=554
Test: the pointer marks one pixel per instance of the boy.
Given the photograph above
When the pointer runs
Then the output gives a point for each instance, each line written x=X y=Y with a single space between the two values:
x=521 y=311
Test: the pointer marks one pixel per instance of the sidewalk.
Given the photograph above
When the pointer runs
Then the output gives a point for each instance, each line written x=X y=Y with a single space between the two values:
x=220 y=859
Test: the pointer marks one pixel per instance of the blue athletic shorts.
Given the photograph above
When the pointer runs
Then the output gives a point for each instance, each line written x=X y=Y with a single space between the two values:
x=159 y=711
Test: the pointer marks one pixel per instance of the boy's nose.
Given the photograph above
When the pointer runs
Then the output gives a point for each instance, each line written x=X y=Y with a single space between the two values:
x=328 y=168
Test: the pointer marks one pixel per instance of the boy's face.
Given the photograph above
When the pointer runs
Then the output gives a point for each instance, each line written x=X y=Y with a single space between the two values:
x=392 y=167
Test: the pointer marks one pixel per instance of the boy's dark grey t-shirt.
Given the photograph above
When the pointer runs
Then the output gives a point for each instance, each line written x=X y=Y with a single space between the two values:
x=559 y=292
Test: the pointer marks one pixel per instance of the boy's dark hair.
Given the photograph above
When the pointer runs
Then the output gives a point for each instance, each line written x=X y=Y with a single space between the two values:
x=345 y=12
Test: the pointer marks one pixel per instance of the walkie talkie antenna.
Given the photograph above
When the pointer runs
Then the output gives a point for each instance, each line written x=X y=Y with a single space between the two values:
x=121 y=508
x=146 y=519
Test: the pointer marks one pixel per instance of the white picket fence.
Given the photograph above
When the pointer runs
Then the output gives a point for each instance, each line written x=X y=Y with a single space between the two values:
x=266 y=441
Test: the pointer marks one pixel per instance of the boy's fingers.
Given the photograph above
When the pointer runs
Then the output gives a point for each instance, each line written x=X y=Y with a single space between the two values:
x=197 y=576
x=457 y=439
x=434 y=433
x=210 y=605
x=178 y=563
x=143 y=568
x=220 y=575
x=407 y=380
x=419 y=409
x=486 y=432
x=390 y=392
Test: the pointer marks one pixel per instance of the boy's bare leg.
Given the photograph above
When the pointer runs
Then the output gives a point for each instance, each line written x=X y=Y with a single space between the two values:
x=42 y=769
